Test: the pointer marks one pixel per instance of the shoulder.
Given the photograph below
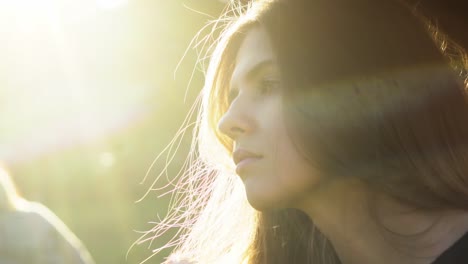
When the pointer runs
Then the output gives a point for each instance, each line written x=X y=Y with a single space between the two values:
x=35 y=228
x=25 y=224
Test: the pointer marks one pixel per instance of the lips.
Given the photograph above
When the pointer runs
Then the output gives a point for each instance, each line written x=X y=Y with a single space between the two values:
x=241 y=156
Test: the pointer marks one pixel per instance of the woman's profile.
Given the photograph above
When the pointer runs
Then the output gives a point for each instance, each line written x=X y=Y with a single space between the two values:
x=330 y=131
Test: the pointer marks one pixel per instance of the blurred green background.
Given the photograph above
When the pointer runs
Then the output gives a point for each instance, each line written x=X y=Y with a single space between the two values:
x=88 y=99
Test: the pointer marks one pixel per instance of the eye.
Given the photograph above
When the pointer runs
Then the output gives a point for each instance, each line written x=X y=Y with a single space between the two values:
x=268 y=86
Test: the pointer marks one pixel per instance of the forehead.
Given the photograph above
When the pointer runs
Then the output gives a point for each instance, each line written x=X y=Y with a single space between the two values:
x=254 y=50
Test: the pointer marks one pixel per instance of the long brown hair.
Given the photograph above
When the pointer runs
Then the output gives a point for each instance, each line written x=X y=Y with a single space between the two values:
x=369 y=93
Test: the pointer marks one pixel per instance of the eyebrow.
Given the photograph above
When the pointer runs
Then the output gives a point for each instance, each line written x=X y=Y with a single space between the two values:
x=250 y=75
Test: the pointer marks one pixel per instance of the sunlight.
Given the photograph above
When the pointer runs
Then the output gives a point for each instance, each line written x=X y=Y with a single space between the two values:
x=109 y=4
x=87 y=100
x=56 y=95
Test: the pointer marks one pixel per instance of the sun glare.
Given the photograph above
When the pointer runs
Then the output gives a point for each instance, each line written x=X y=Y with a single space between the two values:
x=57 y=94
x=109 y=4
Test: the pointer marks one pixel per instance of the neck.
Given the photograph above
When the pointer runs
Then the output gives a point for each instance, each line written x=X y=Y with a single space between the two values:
x=388 y=233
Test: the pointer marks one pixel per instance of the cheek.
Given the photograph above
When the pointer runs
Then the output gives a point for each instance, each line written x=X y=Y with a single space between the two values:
x=294 y=172
x=286 y=177
x=291 y=177
x=284 y=180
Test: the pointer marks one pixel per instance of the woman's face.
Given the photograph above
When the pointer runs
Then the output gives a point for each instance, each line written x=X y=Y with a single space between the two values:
x=275 y=175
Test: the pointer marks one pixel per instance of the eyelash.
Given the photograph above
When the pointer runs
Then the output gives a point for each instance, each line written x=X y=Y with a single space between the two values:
x=265 y=87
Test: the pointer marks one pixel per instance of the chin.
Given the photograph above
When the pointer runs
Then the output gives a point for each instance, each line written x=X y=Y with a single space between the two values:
x=260 y=205
x=264 y=201
x=268 y=193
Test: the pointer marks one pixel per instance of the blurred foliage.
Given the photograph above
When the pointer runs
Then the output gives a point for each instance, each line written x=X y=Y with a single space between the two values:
x=92 y=184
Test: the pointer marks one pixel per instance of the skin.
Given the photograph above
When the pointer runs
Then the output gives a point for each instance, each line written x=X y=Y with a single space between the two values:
x=282 y=178
x=254 y=122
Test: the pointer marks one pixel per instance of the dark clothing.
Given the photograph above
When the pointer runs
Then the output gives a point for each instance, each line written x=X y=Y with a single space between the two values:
x=456 y=254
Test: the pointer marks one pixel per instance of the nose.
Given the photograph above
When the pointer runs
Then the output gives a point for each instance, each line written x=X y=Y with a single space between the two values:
x=236 y=121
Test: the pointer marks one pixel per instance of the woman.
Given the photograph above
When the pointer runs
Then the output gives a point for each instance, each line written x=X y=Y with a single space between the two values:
x=344 y=124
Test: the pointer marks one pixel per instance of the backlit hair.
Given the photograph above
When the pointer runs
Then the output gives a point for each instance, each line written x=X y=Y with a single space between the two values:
x=401 y=125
